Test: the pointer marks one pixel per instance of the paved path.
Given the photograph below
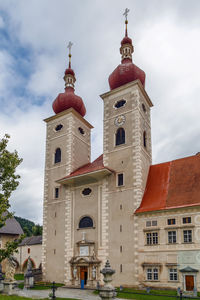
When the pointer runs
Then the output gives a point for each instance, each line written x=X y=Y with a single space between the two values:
x=61 y=292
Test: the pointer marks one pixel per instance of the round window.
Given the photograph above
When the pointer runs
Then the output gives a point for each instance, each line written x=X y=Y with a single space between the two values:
x=86 y=191
x=58 y=127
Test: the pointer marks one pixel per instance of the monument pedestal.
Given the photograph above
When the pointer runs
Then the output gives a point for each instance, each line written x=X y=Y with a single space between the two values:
x=9 y=286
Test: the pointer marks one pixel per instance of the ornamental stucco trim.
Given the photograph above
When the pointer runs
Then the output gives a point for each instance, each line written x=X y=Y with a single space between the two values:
x=68 y=237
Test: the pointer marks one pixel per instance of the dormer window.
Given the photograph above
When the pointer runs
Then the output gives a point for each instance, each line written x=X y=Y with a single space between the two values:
x=120 y=103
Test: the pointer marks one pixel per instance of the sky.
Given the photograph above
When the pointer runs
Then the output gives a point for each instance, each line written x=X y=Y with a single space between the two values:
x=33 y=57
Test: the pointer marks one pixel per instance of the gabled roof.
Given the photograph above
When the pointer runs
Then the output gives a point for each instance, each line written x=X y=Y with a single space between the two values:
x=171 y=185
x=90 y=170
x=11 y=227
x=32 y=240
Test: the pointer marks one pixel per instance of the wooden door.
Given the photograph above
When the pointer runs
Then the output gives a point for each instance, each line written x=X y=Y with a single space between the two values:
x=189 y=282
x=83 y=274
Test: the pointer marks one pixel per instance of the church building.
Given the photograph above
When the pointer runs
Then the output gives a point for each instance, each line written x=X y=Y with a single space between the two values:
x=144 y=218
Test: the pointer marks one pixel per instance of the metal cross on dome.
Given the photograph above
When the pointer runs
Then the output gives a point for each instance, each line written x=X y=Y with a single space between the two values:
x=70 y=46
x=126 y=13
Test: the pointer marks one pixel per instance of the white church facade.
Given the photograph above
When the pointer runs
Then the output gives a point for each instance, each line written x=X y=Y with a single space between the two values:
x=144 y=218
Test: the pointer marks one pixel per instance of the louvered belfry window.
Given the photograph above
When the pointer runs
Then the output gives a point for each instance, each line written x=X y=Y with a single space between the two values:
x=57 y=157
x=120 y=136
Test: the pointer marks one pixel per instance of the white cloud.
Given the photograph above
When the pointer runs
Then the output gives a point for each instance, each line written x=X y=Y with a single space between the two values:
x=2 y=24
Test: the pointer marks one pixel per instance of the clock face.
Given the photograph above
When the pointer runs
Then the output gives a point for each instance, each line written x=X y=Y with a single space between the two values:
x=120 y=120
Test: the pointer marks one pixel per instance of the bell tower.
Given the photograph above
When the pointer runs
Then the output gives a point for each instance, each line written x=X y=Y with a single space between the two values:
x=68 y=147
x=127 y=150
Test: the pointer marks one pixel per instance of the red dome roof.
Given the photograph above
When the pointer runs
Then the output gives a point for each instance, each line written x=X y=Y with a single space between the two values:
x=69 y=71
x=124 y=73
x=69 y=100
x=126 y=40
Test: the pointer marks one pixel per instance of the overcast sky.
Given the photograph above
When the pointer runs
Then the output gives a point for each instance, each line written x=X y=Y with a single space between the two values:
x=33 y=56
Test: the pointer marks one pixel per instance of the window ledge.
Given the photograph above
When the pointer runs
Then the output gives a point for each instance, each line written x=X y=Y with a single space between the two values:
x=152 y=280
x=152 y=244
x=188 y=243
x=85 y=228
x=151 y=229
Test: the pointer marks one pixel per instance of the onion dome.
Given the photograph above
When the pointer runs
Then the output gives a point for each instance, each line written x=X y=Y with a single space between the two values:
x=126 y=71
x=69 y=99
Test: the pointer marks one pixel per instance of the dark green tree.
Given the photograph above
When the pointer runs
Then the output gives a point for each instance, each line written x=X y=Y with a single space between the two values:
x=37 y=229
x=9 y=161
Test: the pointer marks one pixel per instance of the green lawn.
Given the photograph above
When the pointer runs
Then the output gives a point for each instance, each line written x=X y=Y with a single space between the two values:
x=41 y=286
x=19 y=276
x=126 y=294
x=5 y=297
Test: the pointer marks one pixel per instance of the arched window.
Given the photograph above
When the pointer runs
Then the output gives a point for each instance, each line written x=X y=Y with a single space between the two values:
x=120 y=136
x=144 y=139
x=86 y=222
x=57 y=157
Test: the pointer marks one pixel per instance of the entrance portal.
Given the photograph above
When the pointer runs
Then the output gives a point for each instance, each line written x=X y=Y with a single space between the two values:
x=84 y=274
x=189 y=282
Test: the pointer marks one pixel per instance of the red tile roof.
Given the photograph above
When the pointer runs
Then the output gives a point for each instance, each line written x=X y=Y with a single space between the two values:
x=171 y=185
x=96 y=165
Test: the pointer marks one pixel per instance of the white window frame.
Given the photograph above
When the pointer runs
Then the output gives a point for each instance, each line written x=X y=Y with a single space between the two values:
x=173 y=274
x=152 y=274
x=187 y=236
x=172 y=239
x=152 y=238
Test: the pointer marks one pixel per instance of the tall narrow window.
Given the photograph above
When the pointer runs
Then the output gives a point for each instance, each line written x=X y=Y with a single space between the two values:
x=56 y=193
x=187 y=236
x=120 y=179
x=173 y=274
x=57 y=157
x=144 y=139
x=120 y=136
